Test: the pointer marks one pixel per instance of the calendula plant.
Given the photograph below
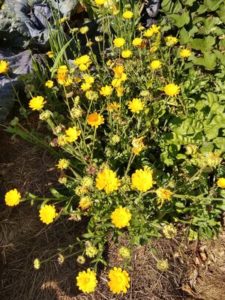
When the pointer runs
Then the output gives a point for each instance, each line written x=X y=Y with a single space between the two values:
x=131 y=123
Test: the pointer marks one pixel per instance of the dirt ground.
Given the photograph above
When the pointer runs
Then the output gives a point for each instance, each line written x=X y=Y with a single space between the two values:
x=196 y=270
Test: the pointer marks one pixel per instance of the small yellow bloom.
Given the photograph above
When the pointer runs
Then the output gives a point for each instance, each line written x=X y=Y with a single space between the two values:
x=121 y=217
x=72 y=134
x=47 y=213
x=85 y=202
x=185 y=53
x=118 y=71
x=169 y=231
x=221 y=182
x=119 y=281
x=138 y=145
x=107 y=180
x=136 y=105
x=126 y=53
x=172 y=89
x=63 y=164
x=62 y=74
x=95 y=119
x=49 y=84
x=155 y=64
x=91 y=251
x=88 y=78
x=124 y=252
x=119 y=91
x=85 y=86
x=119 y=42
x=162 y=265
x=37 y=103
x=4 y=66
x=82 y=60
x=106 y=90
x=50 y=54
x=128 y=14
x=164 y=194
x=37 y=264
x=86 y=281
x=137 y=42
x=142 y=179
x=12 y=197
x=91 y=95
x=151 y=31
x=81 y=259
x=171 y=41
x=63 y=20
x=114 y=106
x=100 y=2
x=84 y=29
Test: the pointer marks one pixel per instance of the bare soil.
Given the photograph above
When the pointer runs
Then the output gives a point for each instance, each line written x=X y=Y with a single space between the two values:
x=196 y=270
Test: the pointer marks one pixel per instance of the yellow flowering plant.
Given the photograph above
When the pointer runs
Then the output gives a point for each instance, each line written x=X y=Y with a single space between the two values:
x=132 y=157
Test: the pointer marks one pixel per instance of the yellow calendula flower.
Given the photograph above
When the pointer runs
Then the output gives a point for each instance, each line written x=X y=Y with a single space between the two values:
x=62 y=140
x=155 y=64
x=91 y=251
x=85 y=86
x=91 y=95
x=114 y=106
x=164 y=194
x=63 y=164
x=87 y=182
x=12 y=197
x=119 y=281
x=82 y=60
x=116 y=82
x=137 y=42
x=126 y=53
x=85 y=202
x=128 y=14
x=84 y=29
x=118 y=71
x=50 y=54
x=47 y=213
x=37 y=103
x=88 y=78
x=119 y=91
x=107 y=180
x=171 y=41
x=151 y=31
x=119 y=42
x=86 y=281
x=121 y=217
x=138 y=145
x=49 y=84
x=169 y=231
x=62 y=74
x=185 y=53
x=4 y=66
x=95 y=119
x=142 y=179
x=171 y=89
x=221 y=182
x=106 y=91
x=100 y=2
x=72 y=134
x=136 y=105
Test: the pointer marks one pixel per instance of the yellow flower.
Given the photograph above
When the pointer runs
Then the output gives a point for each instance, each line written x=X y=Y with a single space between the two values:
x=113 y=106
x=91 y=95
x=63 y=164
x=138 y=145
x=50 y=54
x=221 y=182
x=172 y=89
x=85 y=202
x=155 y=64
x=164 y=194
x=116 y=82
x=128 y=14
x=88 y=78
x=154 y=47
x=47 y=213
x=106 y=90
x=63 y=20
x=49 y=84
x=62 y=74
x=124 y=252
x=137 y=42
x=136 y=105
x=95 y=119
x=126 y=53
x=12 y=197
x=82 y=60
x=121 y=217
x=86 y=281
x=169 y=231
x=4 y=66
x=91 y=251
x=62 y=140
x=118 y=71
x=162 y=265
x=119 y=91
x=142 y=179
x=84 y=29
x=72 y=134
x=184 y=53
x=85 y=86
x=151 y=31
x=37 y=103
x=87 y=181
x=107 y=180
x=118 y=281
x=171 y=40
x=100 y=2
x=37 y=264
x=119 y=42
x=81 y=259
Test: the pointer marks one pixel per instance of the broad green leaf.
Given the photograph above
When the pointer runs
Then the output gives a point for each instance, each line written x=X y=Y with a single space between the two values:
x=180 y=20
x=220 y=143
x=213 y=4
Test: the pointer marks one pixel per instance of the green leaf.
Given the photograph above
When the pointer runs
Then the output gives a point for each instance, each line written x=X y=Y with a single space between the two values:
x=180 y=19
x=208 y=60
x=203 y=45
x=213 y=4
x=220 y=143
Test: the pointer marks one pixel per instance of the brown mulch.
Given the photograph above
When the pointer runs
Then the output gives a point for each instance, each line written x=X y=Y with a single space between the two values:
x=196 y=270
